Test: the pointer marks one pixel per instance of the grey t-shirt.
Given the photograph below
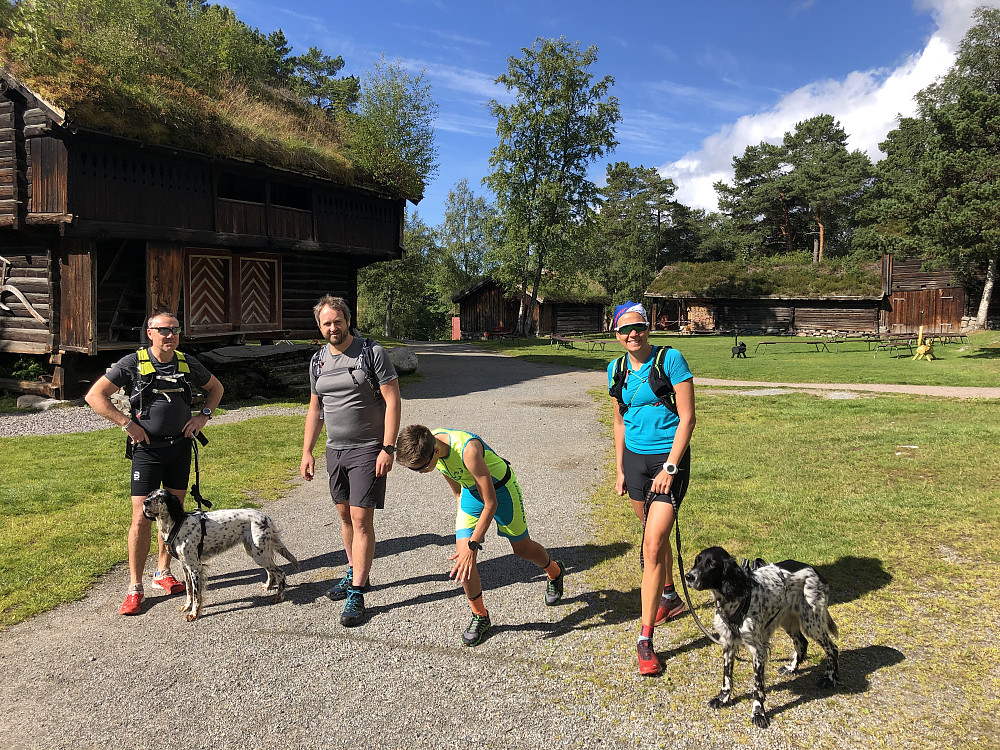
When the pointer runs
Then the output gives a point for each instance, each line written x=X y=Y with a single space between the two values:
x=354 y=414
x=168 y=412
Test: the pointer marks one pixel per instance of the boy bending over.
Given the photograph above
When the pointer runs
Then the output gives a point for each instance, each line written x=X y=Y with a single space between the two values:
x=485 y=488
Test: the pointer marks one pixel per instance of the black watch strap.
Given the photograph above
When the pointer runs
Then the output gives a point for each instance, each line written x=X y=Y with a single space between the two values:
x=474 y=545
x=390 y=449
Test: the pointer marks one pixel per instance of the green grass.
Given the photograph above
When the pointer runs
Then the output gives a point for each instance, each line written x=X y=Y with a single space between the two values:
x=893 y=499
x=64 y=507
x=974 y=364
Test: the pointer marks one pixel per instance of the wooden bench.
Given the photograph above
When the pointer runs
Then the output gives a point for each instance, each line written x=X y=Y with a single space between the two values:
x=501 y=333
x=571 y=341
x=895 y=344
x=820 y=344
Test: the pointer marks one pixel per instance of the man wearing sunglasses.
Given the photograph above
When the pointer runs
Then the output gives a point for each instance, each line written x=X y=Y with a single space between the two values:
x=158 y=380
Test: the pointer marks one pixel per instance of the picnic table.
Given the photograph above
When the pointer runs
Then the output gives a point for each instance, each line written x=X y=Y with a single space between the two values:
x=571 y=341
x=501 y=333
x=895 y=344
x=820 y=344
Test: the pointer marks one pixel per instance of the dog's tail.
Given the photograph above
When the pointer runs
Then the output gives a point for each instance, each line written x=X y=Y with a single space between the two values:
x=281 y=549
x=831 y=626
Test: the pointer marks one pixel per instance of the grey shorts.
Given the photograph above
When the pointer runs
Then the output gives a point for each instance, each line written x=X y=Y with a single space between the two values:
x=352 y=477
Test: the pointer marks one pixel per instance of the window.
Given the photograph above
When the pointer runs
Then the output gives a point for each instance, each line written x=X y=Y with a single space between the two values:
x=241 y=188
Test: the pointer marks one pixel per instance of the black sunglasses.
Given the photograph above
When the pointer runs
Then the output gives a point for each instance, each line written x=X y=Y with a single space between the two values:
x=637 y=327
x=426 y=466
x=167 y=330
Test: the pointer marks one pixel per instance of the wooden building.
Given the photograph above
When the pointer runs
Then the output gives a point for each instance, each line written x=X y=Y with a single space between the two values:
x=97 y=231
x=900 y=301
x=485 y=308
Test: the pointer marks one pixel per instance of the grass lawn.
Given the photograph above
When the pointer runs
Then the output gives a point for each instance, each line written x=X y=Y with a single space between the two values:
x=973 y=364
x=893 y=499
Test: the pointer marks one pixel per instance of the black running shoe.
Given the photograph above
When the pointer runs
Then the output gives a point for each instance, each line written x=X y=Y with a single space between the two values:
x=554 y=587
x=473 y=635
x=339 y=590
x=354 y=608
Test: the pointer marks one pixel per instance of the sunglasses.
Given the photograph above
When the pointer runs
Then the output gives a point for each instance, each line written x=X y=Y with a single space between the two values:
x=426 y=466
x=167 y=330
x=636 y=327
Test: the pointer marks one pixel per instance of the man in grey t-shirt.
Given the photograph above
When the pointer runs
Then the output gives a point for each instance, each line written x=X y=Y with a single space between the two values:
x=362 y=421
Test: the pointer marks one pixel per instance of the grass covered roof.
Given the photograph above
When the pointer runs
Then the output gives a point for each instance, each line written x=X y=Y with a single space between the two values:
x=792 y=277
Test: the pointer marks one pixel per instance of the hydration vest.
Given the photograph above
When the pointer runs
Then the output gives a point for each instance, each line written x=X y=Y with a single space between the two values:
x=659 y=381
x=151 y=383
x=366 y=363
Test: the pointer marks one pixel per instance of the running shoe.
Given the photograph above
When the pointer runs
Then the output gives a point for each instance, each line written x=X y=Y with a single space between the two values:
x=132 y=604
x=649 y=662
x=474 y=634
x=168 y=583
x=669 y=609
x=554 y=587
x=339 y=590
x=354 y=608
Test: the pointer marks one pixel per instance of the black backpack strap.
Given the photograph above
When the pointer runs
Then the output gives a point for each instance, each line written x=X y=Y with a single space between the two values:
x=618 y=383
x=367 y=364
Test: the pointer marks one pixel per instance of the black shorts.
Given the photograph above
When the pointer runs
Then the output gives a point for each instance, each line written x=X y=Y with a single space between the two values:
x=640 y=468
x=159 y=464
x=352 y=477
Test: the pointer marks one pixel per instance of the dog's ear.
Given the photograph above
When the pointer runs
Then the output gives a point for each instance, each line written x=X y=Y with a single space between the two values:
x=734 y=581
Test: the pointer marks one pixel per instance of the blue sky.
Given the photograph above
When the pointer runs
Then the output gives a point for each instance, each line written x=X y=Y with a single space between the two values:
x=696 y=82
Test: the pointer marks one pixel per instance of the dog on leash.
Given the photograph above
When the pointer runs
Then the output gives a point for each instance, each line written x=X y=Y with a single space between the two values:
x=750 y=603
x=195 y=537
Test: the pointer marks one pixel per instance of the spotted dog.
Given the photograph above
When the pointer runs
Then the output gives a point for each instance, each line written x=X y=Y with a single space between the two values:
x=751 y=602
x=194 y=537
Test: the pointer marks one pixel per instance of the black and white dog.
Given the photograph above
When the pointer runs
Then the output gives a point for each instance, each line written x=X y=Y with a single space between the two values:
x=751 y=602
x=195 y=537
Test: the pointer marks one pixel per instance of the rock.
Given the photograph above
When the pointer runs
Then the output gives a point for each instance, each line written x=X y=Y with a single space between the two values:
x=403 y=359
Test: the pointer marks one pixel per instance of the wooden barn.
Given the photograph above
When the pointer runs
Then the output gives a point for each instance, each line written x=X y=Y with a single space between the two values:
x=97 y=231
x=486 y=308
x=896 y=298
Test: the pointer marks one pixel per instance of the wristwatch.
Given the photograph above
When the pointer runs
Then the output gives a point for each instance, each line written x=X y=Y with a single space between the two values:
x=670 y=468
x=390 y=449
x=206 y=412
x=474 y=545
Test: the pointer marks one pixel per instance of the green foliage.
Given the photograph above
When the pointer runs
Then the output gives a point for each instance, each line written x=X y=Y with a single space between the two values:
x=561 y=121
x=24 y=367
x=466 y=240
x=808 y=186
x=397 y=297
x=392 y=133
x=315 y=81
x=779 y=276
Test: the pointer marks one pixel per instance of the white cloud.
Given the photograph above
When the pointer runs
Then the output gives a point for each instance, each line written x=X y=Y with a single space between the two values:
x=866 y=103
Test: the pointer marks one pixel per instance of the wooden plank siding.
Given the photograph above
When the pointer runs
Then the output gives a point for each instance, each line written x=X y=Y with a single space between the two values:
x=568 y=317
x=905 y=275
x=30 y=273
x=13 y=163
x=486 y=310
x=937 y=310
x=49 y=169
x=78 y=295
x=302 y=287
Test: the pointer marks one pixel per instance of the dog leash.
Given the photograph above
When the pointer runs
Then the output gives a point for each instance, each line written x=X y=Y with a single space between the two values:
x=195 y=490
x=680 y=562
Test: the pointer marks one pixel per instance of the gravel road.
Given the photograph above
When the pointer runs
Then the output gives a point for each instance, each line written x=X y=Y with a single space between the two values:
x=288 y=675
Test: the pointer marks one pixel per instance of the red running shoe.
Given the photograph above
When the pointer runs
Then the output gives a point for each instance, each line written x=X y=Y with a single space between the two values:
x=132 y=604
x=649 y=662
x=168 y=583
x=669 y=609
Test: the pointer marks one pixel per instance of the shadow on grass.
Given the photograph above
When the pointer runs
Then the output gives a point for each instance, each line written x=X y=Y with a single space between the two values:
x=852 y=577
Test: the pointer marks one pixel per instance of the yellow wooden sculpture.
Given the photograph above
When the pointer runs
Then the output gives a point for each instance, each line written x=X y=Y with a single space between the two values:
x=924 y=351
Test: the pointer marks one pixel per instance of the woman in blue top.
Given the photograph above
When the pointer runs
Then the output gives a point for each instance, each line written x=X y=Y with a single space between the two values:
x=651 y=451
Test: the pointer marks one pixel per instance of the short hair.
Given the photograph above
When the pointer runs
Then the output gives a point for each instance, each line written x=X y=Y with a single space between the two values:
x=160 y=313
x=415 y=446
x=337 y=303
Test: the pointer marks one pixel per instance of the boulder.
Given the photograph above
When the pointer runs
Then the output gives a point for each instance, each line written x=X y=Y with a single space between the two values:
x=404 y=359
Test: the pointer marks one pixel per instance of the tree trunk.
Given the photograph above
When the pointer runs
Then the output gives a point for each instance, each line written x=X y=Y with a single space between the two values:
x=822 y=230
x=530 y=318
x=519 y=328
x=984 y=303
x=388 y=313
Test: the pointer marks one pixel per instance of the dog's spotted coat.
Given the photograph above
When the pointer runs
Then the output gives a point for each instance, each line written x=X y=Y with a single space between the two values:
x=750 y=605
x=200 y=536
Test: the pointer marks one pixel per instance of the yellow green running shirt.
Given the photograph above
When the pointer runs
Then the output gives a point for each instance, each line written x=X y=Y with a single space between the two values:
x=510 y=518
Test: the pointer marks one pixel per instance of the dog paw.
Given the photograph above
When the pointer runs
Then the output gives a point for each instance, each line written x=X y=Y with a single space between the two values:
x=718 y=702
x=785 y=669
x=191 y=617
x=826 y=682
x=760 y=720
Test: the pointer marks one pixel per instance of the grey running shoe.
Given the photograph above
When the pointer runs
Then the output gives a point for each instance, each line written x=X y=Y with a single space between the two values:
x=554 y=588
x=473 y=635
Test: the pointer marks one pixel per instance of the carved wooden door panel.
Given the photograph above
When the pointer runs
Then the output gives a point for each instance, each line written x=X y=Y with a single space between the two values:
x=259 y=293
x=208 y=302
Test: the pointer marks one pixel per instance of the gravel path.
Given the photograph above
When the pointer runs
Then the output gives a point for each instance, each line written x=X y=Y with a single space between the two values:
x=289 y=675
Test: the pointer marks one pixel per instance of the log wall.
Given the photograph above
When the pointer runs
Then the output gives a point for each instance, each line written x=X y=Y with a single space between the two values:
x=28 y=272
